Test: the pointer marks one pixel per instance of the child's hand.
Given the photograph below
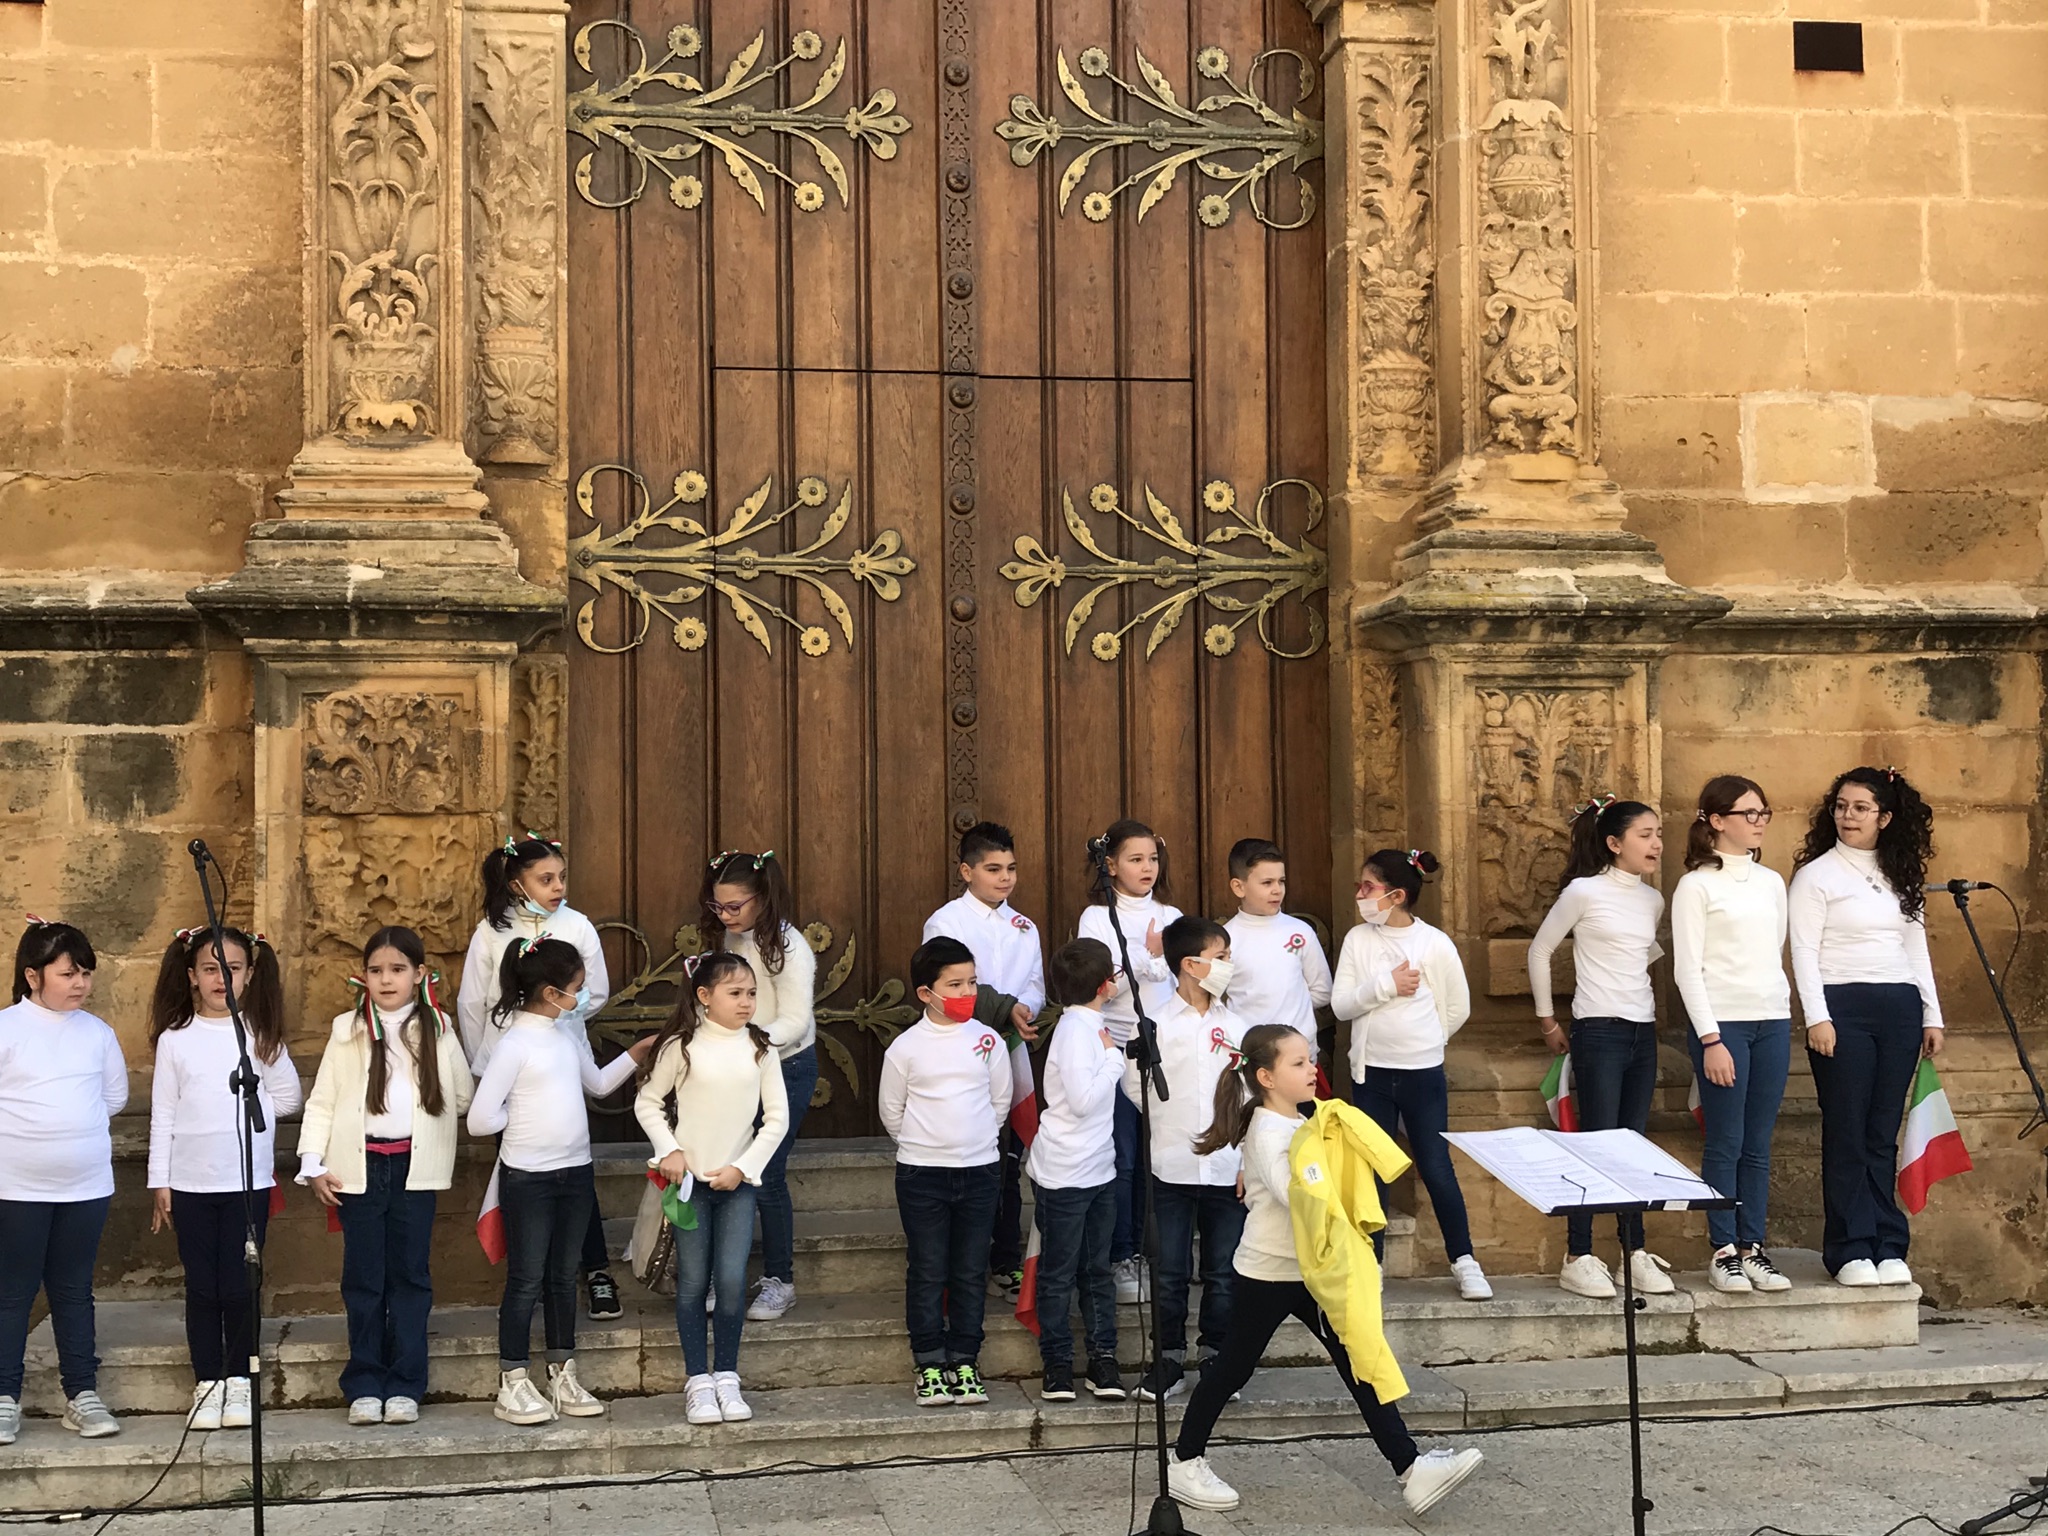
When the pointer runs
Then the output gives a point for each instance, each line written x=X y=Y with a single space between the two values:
x=727 y=1177
x=1026 y=1031
x=1154 y=945
x=1240 y=1186
x=673 y=1167
x=159 y=1210
x=326 y=1188
x=640 y=1049
x=1406 y=979
x=1107 y=1043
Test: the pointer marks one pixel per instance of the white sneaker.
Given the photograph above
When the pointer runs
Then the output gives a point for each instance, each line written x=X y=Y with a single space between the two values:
x=1726 y=1273
x=519 y=1401
x=90 y=1418
x=732 y=1408
x=401 y=1410
x=1195 y=1484
x=1586 y=1276
x=1132 y=1283
x=710 y=1299
x=700 y=1401
x=206 y=1406
x=1471 y=1278
x=772 y=1298
x=568 y=1395
x=1893 y=1272
x=1434 y=1475
x=236 y=1412
x=366 y=1410
x=1857 y=1272
x=10 y=1420
x=1650 y=1275
x=1763 y=1274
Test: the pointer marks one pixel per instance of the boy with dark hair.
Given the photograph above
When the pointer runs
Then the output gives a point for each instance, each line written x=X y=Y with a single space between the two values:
x=1282 y=975
x=945 y=1088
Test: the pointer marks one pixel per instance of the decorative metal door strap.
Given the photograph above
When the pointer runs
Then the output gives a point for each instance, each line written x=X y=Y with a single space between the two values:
x=705 y=561
x=661 y=99
x=1189 y=570
x=1177 y=136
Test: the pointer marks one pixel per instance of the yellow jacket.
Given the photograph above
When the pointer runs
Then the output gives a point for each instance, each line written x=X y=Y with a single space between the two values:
x=1335 y=1208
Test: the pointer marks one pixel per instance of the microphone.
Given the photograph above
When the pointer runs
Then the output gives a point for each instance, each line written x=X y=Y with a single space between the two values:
x=1956 y=887
x=201 y=854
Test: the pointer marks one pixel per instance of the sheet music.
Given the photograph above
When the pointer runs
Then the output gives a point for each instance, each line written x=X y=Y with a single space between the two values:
x=1556 y=1170
x=1639 y=1162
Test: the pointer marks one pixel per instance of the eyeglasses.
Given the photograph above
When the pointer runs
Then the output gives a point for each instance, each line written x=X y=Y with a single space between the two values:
x=731 y=908
x=1754 y=818
x=1854 y=812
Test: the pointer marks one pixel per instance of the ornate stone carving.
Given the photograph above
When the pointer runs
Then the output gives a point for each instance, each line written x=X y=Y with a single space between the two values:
x=540 y=710
x=1378 y=752
x=370 y=752
x=1539 y=752
x=361 y=873
x=513 y=186
x=384 y=173
x=1527 y=255
x=1397 y=426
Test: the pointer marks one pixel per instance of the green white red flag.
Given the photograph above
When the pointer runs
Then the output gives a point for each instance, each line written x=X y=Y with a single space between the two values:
x=1932 y=1149
x=1557 y=1093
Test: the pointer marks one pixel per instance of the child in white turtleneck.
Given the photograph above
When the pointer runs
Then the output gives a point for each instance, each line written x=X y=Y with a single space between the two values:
x=1131 y=902
x=1282 y=976
x=195 y=1147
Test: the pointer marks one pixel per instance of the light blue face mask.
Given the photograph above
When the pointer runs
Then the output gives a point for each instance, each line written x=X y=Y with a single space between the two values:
x=530 y=905
x=583 y=999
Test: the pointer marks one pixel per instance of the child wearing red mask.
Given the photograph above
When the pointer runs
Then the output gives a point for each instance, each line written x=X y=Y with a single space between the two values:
x=944 y=1094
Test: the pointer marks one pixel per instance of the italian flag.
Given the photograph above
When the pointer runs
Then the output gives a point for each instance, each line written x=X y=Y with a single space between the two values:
x=1027 y=1293
x=1933 y=1148
x=1692 y=1102
x=1557 y=1093
x=1023 y=1095
x=490 y=1222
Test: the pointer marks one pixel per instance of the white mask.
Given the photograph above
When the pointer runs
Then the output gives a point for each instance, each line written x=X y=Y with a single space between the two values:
x=1220 y=972
x=1374 y=912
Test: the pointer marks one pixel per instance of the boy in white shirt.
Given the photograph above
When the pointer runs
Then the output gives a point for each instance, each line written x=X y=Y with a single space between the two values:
x=944 y=1091
x=1009 y=958
x=1073 y=1175
x=1198 y=1043
x=1281 y=976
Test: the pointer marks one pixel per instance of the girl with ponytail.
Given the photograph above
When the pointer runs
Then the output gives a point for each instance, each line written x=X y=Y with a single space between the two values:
x=377 y=1144
x=195 y=1145
x=1608 y=905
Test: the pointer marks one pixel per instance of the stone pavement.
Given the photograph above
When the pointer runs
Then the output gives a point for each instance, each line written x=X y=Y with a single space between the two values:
x=1840 y=1473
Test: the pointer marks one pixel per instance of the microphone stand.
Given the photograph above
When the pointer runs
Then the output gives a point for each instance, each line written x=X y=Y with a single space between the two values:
x=246 y=1086
x=1960 y=890
x=1165 y=1519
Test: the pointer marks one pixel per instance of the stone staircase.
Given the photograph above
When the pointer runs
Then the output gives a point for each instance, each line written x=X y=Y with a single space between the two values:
x=829 y=1380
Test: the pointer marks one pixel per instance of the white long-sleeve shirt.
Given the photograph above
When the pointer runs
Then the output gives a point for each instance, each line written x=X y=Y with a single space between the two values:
x=944 y=1092
x=1134 y=914
x=1265 y=1251
x=487 y=947
x=1075 y=1146
x=1007 y=953
x=1611 y=919
x=533 y=1092
x=1728 y=943
x=716 y=1101
x=1281 y=976
x=1387 y=1029
x=1195 y=1050
x=195 y=1123
x=62 y=1078
x=1846 y=927
x=784 y=1001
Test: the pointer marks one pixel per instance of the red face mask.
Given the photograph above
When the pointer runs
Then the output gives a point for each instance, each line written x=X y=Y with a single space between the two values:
x=959 y=1009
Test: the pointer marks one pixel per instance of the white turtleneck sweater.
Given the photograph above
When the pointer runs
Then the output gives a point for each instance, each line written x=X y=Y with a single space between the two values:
x=1611 y=919
x=479 y=995
x=61 y=1079
x=1728 y=943
x=1387 y=1029
x=1134 y=914
x=943 y=1094
x=533 y=1092
x=1847 y=927
x=1281 y=975
x=717 y=1096
x=784 y=1000
x=195 y=1123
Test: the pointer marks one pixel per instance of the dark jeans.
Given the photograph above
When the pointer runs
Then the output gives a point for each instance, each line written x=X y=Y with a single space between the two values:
x=1182 y=1210
x=714 y=1252
x=545 y=1217
x=1862 y=1093
x=1073 y=1254
x=595 y=1255
x=1130 y=1192
x=1739 y=1121
x=778 y=1215
x=1417 y=1100
x=210 y=1230
x=1006 y=1247
x=1258 y=1308
x=947 y=1215
x=387 y=1236
x=50 y=1246
x=1614 y=1078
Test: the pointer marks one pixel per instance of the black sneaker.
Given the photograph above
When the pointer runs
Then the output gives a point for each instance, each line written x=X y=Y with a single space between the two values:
x=1058 y=1384
x=1104 y=1380
x=604 y=1296
x=1163 y=1378
x=963 y=1385
x=929 y=1384
x=1006 y=1285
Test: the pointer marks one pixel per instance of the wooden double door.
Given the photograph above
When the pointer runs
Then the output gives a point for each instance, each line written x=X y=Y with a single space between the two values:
x=948 y=424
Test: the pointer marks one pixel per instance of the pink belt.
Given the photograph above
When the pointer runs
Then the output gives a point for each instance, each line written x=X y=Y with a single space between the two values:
x=389 y=1148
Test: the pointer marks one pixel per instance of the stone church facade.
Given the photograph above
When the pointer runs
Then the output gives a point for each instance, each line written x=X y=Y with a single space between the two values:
x=1676 y=412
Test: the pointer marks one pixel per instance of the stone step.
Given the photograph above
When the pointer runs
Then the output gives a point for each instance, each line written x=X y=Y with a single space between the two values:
x=850 y=1174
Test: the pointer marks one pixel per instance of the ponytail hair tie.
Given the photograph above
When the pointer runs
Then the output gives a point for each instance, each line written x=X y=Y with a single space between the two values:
x=37 y=922
x=1891 y=774
x=431 y=1001
x=1593 y=806
x=260 y=939
x=534 y=837
x=520 y=945
x=182 y=936
x=1415 y=861
x=368 y=1007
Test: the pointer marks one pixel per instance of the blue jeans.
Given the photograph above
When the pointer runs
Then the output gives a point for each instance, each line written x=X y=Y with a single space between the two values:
x=546 y=1215
x=1862 y=1093
x=1182 y=1210
x=1130 y=1194
x=50 y=1246
x=1418 y=1101
x=211 y=1230
x=714 y=1251
x=387 y=1236
x=1614 y=1078
x=948 y=1215
x=1073 y=1254
x=778 y=1215
x=1739 y=1121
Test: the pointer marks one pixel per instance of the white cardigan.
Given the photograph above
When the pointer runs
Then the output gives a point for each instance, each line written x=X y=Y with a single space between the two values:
x=331 y=1135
